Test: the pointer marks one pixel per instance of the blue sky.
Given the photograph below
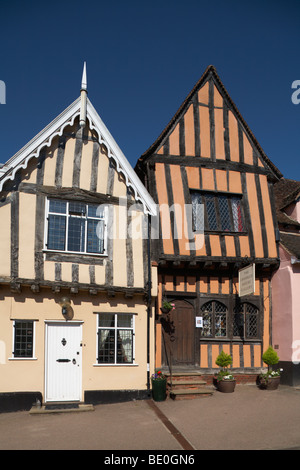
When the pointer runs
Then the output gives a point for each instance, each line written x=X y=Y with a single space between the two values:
x=143 y=58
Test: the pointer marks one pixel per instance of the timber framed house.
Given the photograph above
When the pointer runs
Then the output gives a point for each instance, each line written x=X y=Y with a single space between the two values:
x=208 y=159
x=76 y=315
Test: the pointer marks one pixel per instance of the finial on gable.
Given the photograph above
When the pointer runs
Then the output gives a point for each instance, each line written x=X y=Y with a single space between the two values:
x=83 y=94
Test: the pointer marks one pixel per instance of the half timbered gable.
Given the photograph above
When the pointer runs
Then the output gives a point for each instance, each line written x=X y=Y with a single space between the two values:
x=208 y=159
x=77 y=284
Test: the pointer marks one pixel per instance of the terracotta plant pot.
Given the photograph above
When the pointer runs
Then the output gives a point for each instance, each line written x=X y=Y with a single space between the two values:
x=226 y=386
x=271 y=384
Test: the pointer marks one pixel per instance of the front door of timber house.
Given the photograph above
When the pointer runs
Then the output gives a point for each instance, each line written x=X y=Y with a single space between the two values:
x=63 y=362
x=179 y=347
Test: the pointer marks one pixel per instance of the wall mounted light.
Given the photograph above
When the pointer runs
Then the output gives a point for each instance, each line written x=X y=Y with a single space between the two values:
x=66 y=309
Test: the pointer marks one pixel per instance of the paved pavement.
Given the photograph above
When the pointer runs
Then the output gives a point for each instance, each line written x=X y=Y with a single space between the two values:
x=248 y=419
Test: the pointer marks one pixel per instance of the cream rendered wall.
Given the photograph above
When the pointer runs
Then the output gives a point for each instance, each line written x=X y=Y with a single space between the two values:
x=28 y=374
x=5 y=218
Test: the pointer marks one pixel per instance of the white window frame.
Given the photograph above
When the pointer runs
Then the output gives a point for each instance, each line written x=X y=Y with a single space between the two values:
x=23 y=358
x=116 y=364
x=66 y=215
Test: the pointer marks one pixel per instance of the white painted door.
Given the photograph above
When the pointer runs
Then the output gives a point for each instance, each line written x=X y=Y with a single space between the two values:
x=63 y=361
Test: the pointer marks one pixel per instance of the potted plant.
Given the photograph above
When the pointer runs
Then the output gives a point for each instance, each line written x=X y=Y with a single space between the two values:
x=225 y=381
x=159 y=386
x=270 y=380
x=167 y=306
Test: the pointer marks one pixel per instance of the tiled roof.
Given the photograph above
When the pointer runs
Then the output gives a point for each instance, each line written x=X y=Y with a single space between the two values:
x=286 y=191
x=291 y=242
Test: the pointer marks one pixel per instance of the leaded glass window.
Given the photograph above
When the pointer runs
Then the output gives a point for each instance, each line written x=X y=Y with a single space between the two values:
x=222 y=212
x=115 y=338
x=23 y=339
x=76 y=227
x=214 y=315
x=246 y=321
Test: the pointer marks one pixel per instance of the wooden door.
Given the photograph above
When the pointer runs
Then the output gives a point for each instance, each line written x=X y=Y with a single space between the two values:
x=179 y=343
x=63 y=362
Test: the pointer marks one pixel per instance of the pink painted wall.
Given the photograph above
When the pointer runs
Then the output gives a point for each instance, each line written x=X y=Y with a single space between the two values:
x=286 y=308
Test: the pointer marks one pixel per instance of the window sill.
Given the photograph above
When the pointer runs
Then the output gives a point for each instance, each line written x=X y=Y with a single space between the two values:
x=224 y=339
x=221 y=232
x=75 y=253
x=115 y=365
x=22 y=358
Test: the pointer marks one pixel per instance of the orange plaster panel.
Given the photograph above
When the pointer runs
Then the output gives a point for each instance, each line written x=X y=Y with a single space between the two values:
x=233 y=137
x=230 y=247
x=207 y=179
x=215 y=245
x=204 y=131
x=219 y=134
x=193 y=177
x=235 y=355
x=169 y=283
x=179 y=204
x=180 y=283
x=235 y=185
x=254 y=215
x=247 y=355
x=191 y=284
x=268 y=216
x=174 y=141
x=221 y=177
x=203 y=285
x=214 y=285
x=225 y=286
x=244 y=245
x=257 y=355
x=226 y=348
x=248 y=152
x=218 y=99
x=165 y=220
x=214 y=354
x=203 y=356
x=189 y=132
x=203 y=94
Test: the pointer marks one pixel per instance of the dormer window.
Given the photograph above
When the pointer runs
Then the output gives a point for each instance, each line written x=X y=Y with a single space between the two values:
x=75 y=227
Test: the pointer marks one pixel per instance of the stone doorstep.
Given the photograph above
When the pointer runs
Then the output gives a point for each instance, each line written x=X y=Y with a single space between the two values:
x=61 y=408
x=190 y=393
x=186 y=382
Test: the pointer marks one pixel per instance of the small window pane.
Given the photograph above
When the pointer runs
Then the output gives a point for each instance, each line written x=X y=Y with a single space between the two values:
x=56 y=232
x=95 y=236
x=211 y=212
x=57 y=206
x=224 y=213
x=124 y=346
x=95 y=211
x=106 y=346
x=125 y=321
x=78 y=208
x=76 y=234
x=237 y=214
x=107 y=320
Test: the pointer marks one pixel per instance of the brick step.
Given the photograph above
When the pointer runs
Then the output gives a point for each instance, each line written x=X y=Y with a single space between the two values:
x=189 y=393
x=186 y=383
